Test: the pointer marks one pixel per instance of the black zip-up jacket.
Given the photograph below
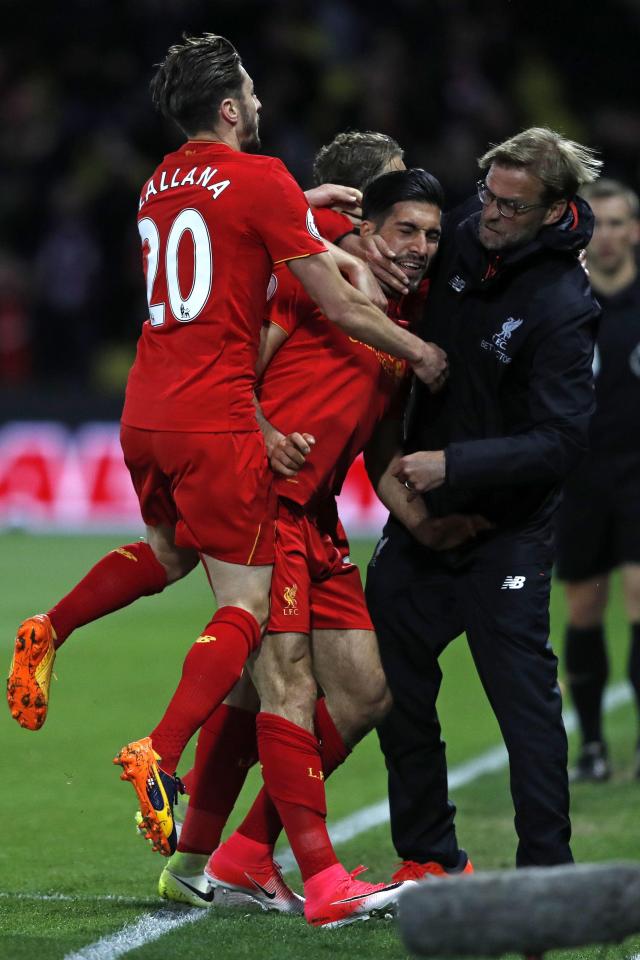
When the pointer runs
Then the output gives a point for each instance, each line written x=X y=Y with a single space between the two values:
x=519 y=331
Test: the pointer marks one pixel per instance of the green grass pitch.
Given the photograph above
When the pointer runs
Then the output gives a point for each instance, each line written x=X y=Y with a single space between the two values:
x=73 y=871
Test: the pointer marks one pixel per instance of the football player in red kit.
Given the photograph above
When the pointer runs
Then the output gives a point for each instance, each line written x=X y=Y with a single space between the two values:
x=339 y=389
x=213 y=221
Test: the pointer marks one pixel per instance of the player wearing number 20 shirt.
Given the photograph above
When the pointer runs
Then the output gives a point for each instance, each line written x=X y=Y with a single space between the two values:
x=213 y=221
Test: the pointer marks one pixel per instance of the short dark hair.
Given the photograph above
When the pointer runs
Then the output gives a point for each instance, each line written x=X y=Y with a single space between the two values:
x=194 y=78
x=354 y=158
x=398 y=186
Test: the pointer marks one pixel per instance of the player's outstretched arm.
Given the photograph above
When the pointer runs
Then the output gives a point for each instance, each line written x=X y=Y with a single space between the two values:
x=382 y=458
x=360 y=319
x=290 y=453
x=358 y=274
x=348 y=199
x=286 y=453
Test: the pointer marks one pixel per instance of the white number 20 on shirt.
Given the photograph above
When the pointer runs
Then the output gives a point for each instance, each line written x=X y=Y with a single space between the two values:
x=183 y=308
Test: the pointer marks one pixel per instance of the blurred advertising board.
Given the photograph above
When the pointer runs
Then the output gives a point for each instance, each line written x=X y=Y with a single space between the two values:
x=55 y=479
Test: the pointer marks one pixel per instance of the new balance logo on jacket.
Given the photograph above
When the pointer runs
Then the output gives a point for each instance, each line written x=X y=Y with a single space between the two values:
x=513 y=583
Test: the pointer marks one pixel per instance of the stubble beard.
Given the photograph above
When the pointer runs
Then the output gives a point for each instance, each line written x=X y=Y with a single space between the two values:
x=496 y=242
x=251 y=137
x=252 y=142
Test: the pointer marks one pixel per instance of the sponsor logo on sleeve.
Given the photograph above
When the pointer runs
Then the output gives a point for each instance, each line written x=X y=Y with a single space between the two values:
x=311 y=225
x=272 y=287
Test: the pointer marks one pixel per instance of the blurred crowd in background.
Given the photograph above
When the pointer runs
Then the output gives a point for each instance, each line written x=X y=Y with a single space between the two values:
x=78 y=135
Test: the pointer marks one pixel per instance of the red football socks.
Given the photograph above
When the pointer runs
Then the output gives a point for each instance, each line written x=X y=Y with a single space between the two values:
x=292 y=772
x=118 y=579
x=211 y=668
x=333 y=749
x=226 y=749
x=263 y=823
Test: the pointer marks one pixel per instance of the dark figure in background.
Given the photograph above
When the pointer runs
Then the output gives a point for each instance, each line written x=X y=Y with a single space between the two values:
x=599 y=520
x=512 y=306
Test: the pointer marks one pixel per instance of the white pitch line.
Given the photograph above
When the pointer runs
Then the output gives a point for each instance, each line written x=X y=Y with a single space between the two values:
x=81 y=898
x=151 y=926
x=146 y=929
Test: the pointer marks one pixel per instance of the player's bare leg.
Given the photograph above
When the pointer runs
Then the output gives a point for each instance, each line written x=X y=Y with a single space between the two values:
x=587 y=671
x=177 y=561
x=346 y=664
x=236 y=585
x=210 y=671
x=294 y=790
x=282 y=674
x=118 y=579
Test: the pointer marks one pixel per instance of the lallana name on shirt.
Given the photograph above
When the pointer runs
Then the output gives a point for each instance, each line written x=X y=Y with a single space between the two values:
x=196 y=177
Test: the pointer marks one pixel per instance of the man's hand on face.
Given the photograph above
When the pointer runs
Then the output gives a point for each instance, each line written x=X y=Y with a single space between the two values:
x=421 y=471
x=445 y=533
x=348 y=199
x=380 y=257
x=433 y=367
x=289 y=453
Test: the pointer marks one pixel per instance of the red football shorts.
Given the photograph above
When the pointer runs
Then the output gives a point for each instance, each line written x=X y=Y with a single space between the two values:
x=315 y=586
x=215 y=488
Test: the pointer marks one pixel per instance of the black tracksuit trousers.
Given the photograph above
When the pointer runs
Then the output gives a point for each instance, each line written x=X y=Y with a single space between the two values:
x=499 y=597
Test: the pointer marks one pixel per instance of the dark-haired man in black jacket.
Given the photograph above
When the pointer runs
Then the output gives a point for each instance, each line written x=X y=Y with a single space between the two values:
x=512 y=307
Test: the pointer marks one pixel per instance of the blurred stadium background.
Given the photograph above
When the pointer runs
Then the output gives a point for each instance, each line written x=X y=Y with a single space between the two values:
x=77 y=139
x=79 y=136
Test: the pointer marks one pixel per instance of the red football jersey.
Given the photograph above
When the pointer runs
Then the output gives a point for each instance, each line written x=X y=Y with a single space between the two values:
x=213 y=222
x=331 y=223
x=323 y=382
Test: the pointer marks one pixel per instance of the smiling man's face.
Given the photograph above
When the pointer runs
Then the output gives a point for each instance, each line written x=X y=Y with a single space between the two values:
x=412 y=230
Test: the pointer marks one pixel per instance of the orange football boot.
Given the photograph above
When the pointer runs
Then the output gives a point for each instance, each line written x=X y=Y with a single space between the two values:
x=157 y=793
x=411 y=870
x=30 y=672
